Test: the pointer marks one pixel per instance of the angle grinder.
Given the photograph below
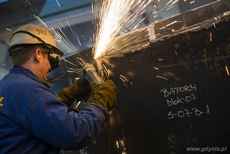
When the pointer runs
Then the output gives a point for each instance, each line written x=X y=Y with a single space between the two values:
x=96 y=71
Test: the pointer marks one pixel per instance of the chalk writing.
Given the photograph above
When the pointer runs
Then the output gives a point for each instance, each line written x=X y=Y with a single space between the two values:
x=183 y=95
x=177 y=90
x=188 y=113
x=181 y=100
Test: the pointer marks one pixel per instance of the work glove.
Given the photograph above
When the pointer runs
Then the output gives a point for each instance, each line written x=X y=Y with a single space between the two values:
x=78 y=90
x=103 y=94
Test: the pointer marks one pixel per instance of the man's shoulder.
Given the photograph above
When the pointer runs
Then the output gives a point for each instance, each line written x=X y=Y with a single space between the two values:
x=20 y=81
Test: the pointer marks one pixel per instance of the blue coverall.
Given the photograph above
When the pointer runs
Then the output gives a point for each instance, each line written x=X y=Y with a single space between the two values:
x=33 y=120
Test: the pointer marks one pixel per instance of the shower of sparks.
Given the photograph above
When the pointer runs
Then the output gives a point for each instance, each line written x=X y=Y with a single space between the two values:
x=60 y=36
x=64 y=42
x=116 y=17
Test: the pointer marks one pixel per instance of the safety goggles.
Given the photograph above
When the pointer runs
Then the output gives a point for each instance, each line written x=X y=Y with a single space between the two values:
x=54 y=59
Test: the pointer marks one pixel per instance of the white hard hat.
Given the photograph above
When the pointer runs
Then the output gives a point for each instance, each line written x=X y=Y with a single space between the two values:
x=33 y=34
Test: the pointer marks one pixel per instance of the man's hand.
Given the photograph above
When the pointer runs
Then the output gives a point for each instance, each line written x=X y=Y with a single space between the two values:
x=78 y=90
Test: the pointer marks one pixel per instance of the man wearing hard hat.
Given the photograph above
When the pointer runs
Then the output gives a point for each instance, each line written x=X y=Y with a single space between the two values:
x=34 y=120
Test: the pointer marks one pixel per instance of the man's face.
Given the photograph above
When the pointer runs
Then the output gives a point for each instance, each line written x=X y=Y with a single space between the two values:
x=45 y=66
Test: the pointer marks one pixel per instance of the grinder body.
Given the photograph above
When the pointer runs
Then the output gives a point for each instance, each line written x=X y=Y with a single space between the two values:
x=93 y=72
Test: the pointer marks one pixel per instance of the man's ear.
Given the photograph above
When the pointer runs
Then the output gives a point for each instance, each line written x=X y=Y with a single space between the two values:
x=38 y=54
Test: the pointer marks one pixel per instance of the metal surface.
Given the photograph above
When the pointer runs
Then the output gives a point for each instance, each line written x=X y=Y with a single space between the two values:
x=176 y=93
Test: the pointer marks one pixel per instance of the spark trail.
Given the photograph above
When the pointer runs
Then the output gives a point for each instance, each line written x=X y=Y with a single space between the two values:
x=116 y=17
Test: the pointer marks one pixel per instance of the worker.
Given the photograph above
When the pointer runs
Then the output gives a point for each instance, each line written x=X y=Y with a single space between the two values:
x=33 y=119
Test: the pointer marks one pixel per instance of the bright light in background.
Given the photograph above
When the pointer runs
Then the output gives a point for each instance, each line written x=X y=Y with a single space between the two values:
x=116 y=17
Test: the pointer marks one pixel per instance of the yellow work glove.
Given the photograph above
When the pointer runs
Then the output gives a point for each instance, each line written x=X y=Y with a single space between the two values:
x=78 y=90
x=103 y=94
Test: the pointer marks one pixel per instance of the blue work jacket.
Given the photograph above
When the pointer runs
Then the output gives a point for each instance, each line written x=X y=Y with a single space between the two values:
x=33 y=120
